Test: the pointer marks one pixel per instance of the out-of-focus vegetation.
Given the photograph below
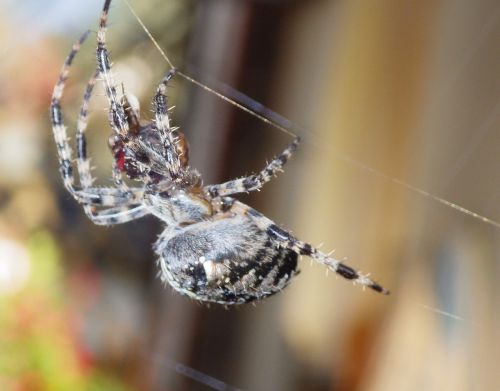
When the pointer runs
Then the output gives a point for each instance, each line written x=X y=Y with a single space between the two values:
x=41 y=347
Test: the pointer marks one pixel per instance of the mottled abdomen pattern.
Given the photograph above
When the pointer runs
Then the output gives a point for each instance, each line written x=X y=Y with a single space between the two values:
x=228 y=260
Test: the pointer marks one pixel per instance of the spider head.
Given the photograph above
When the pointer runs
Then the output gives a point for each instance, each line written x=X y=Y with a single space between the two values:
x=141 y=154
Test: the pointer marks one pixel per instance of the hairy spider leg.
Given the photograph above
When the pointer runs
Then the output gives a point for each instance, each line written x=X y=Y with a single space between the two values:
x=117 y=163
x=118 y=215
x=286 y=240
x=82 y=162
x=90 y=196
x=130 y=198
x=117 y=115
x=162 y=122
x=58 y=127
x=256 y=181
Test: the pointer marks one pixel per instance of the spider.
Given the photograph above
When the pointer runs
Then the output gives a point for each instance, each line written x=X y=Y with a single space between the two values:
x=213 y=248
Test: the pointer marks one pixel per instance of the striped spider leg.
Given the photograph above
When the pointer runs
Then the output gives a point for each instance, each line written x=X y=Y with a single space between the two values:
x=114 y=200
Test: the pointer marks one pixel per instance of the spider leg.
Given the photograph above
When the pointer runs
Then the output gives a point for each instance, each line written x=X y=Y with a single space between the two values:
x=107 y=196
x=162 y=123
x=86 y=195
x=82 y=161
x=286 y=240
x=116 y=215
x=118 y=179
x=256 y=181
x=58 y=127
x=117 y=115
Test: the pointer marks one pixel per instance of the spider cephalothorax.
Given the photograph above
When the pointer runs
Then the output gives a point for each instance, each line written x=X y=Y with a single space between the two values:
x=213 y=248
x=140 y=154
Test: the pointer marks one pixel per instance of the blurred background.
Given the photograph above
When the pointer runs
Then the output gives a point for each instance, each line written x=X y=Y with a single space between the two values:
x=409 y=89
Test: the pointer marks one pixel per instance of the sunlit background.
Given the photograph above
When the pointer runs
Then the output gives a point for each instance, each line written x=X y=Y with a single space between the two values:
x=388 y=95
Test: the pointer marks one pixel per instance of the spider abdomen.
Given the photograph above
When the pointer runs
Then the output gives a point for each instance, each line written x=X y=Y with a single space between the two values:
x=228 y=260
